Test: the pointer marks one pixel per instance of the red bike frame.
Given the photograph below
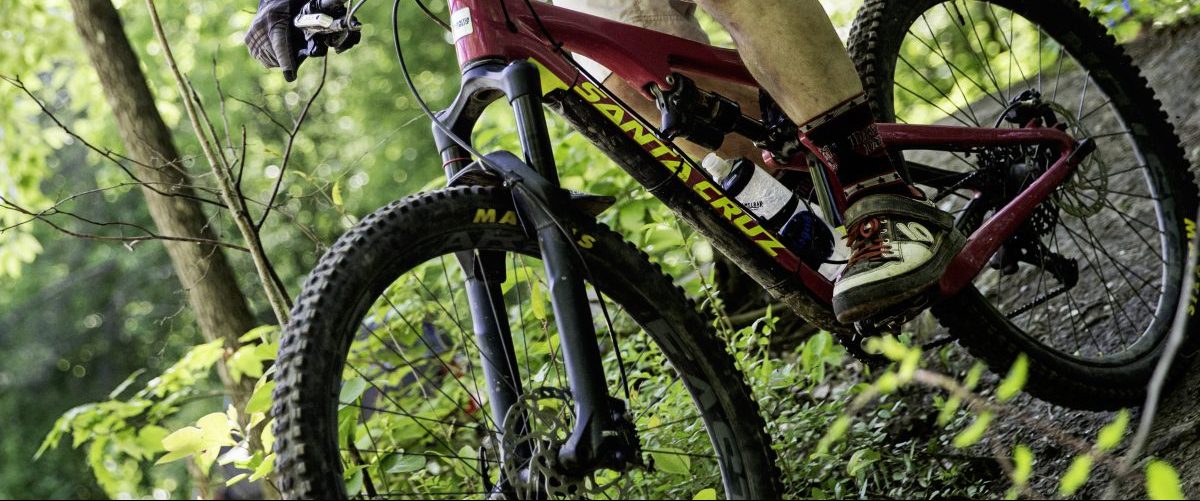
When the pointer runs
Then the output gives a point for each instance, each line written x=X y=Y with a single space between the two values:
x=646 y=58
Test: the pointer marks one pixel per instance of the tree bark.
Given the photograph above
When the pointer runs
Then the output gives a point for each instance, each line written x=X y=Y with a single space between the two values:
x=220 y=307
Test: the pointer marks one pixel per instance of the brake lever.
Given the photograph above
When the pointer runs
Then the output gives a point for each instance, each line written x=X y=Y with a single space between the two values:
x=325 y=24
x=322 y=30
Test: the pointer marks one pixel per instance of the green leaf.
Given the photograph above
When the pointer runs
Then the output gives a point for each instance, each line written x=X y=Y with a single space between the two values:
x=908 y=366
x=182 y=443
x=1076 y=475
x=890 y=347
x=355 y=483
x=671 y=461
x=1022 y=465
x=150 y=438
x=351 y=390
x=948 y=411
x=245 y=362
x=337 y=194
x=538 y=301
x=1110 y=436
x=125 y=384
x=836 y=431
x=974 y=433
x=888 y=383
x=973 y=375
x=706 y=494
x=1162 y=481
x=264 y=468
x=261 y=333
x=402 y=463
x=216 y=430
x=860 y=460
x=260 y=400
x=1015 y=381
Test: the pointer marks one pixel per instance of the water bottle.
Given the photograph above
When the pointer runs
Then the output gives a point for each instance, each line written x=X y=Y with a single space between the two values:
x=782 y=210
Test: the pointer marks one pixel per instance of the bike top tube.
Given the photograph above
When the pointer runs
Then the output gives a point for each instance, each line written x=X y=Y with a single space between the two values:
x=638 y=55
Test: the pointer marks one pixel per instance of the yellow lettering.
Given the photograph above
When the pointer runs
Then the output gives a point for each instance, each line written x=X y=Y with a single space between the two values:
x=706 y=190
x=612 y=111
x=589 y=92
x=682 y=170
x=659 y=150
x=488 y=216
x=639 y=133
x=743 y=223
x=730 y=209
x=485 y=216
x=709 y=192
x=770 y=245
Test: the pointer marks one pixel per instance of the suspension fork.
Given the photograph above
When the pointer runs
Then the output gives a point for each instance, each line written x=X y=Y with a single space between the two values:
x=538 y=198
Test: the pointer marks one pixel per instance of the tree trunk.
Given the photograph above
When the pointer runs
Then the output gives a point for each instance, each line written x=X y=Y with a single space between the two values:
x=220 y=307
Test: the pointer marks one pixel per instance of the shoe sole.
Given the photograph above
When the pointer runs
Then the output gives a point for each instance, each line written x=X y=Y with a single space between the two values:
x=866 y=301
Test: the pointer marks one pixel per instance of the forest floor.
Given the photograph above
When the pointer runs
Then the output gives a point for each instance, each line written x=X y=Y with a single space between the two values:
x=1170 y=59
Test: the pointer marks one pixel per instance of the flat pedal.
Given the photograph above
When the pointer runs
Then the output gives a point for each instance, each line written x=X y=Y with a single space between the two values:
x=893 y=320
x=889 y=322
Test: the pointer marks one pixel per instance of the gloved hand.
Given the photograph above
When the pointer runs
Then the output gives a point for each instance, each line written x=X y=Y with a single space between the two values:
x=273 y=40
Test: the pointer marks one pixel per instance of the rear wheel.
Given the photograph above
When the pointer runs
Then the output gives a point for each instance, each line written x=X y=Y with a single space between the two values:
x=1089 y=287
x=381 y=392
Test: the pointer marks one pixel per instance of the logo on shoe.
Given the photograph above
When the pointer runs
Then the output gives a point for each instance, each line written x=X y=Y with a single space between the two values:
x=915 y=232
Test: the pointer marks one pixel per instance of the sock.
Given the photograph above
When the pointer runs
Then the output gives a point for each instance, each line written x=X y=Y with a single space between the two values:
x=848 y=137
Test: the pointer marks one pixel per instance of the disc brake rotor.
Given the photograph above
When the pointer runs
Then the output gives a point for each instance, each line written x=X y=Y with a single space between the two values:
x=535 y=429
x=1083 y=194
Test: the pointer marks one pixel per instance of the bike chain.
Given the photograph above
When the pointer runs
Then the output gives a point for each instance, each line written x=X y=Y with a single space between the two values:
x=1038 y=301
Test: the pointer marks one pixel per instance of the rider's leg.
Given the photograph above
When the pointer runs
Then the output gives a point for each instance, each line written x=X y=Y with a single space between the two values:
x=793 y=50
x=900 y=245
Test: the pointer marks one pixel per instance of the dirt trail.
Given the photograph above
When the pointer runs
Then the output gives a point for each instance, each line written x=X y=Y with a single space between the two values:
x=1170 y=59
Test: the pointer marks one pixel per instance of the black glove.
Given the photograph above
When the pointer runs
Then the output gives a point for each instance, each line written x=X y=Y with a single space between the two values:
x=273 y=40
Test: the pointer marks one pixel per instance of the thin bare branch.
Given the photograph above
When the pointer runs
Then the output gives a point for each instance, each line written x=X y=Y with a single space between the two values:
x=276 y=295
x=116 y=158
x=44 y=216
x=287 y=151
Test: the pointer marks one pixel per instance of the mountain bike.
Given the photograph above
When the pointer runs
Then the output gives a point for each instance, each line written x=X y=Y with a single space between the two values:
x=430 y=353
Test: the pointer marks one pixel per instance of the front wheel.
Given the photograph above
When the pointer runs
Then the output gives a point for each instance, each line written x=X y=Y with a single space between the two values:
x=381 y=392
x=1088 y=288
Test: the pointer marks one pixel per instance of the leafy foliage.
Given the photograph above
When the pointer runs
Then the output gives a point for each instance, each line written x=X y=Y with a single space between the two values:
x=76 y=347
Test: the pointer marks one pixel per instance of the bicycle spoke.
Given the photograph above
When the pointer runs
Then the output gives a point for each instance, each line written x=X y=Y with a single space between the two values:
x=931 y=103
x=987 y=64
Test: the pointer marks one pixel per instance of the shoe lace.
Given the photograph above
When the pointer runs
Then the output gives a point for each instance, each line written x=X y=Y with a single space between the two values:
x=866 y=241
